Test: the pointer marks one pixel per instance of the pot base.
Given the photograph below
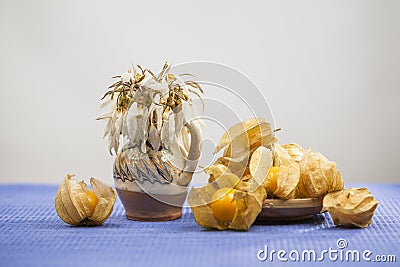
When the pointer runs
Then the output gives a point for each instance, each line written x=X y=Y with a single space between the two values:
x=140 y=206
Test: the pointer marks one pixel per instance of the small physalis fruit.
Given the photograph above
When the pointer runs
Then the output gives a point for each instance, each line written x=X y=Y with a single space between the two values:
x=352 y=207
x=93 y=200
x=318 y=176
x=282 y=180
x=246 y=135
x=235 y=206
x=261 y=160
x=295 y=151
x=76 y=204
x=280 y=155
x=215 y=171
x=273 y=173
x=223 y=204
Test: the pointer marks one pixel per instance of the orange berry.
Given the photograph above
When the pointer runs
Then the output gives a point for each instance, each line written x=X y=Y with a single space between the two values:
x=92 y=198
x=273 y=173
x=223 y=205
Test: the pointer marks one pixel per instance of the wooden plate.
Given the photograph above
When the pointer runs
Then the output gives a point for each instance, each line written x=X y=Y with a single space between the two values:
x=280 y=210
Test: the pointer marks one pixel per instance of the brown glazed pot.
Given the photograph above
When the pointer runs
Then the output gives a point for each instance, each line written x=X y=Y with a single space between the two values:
x=153 y=188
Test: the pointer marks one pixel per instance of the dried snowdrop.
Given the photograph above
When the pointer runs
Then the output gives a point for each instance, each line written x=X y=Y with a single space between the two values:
x=352 y=207
x=149 y=110
x=76 y=204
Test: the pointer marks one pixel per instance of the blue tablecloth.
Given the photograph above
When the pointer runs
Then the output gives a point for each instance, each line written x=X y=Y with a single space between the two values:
x=31 y=234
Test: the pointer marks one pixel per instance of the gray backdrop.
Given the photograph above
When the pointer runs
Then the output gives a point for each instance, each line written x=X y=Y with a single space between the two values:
x=329 y=70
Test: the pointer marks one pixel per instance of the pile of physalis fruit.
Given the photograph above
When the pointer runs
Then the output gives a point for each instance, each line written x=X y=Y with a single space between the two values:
x=254 y=166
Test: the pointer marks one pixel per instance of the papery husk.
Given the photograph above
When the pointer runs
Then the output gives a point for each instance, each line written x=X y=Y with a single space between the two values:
x=260 y=162
x=352 y=207
x=72 y=204
x=280 y=154
x=215 y=171
x=286 y=181
x=318 y=176
x=235 y=166
x=241 y=140
x=250 y=139
x=237 y=130
x=246 y=178
x=248 y=205
x=295 y=151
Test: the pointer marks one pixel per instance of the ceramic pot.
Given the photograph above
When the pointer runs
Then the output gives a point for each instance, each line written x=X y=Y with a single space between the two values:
x=153 y=187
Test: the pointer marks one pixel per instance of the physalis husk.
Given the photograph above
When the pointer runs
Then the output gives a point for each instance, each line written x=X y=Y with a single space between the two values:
x=247 y=134
x=295 y=151
x=248 y=203
x=240 y=141
x=243 y=138
x=318 y=176
x=280 y=155
x=260 y=162
x=287 y=180
x=215 y=171
x=279 y=180
x=76 y=204
x=352 y=207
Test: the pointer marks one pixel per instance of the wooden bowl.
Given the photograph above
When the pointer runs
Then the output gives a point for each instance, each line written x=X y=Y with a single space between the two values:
x=281 y=210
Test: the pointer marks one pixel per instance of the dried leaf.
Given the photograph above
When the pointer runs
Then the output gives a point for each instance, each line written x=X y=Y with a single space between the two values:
x=104 y=116
x=171 y=129
x=179 y=120
x=105 y=102
x=154 y=138
x=165 y=134
x=186 y=138
x=352 y=207
x=149 y=100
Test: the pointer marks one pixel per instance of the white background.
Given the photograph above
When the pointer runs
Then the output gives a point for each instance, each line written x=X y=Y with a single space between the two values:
x=329 y=69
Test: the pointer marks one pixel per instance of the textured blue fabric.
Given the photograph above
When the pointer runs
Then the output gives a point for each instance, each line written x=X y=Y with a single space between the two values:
x=31 y=234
